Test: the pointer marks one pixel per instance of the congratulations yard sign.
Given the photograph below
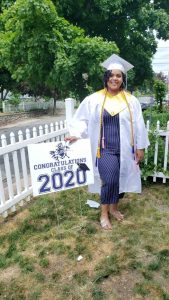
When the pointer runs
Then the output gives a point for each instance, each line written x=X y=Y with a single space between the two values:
x=59 y=166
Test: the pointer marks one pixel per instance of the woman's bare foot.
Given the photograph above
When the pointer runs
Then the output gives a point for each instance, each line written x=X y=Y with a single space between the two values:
x=117 y=214
x=105 y=223
x=104 y=218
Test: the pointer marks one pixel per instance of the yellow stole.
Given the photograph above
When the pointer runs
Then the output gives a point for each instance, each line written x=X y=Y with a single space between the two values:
x=114 y=105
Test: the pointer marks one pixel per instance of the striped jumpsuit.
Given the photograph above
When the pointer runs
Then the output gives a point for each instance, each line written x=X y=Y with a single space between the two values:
x=109 y=162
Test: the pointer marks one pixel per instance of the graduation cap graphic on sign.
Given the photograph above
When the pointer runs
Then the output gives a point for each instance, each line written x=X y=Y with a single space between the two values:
x=83 y=167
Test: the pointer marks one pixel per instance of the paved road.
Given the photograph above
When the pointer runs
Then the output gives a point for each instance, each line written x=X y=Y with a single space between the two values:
x=23 y=125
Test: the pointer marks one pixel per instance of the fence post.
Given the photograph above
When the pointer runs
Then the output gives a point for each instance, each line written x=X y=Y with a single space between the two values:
x=156 y=150
x=166 y=152
x=16 y=169
x=2 y=195
x=69 y=108
x=7 y=168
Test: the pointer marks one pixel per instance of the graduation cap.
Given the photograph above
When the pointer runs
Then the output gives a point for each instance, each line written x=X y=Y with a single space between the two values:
x=115 y=62
x=83 y=167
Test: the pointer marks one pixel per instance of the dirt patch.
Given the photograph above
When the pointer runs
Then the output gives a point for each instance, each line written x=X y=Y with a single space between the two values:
x=121 y=286
x=47 y=295
x=12 y=222
x=10 y=273
x=57 y=265
x=162 y=208
x=163 y=281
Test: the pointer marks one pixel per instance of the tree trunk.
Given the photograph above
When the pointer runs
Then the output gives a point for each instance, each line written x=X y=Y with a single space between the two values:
x=3 y=94
x=6 y=93
x=161 y=105
x=55 y=97
x=54 y=106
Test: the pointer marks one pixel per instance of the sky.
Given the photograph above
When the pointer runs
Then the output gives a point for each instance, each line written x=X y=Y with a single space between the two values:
x=160 y=60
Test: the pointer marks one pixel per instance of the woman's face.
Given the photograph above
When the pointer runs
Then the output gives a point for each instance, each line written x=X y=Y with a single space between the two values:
x=115 y=81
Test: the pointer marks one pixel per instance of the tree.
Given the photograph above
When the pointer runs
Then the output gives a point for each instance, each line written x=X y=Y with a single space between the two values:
x=161 y=77
x=5 y=4
x=6 y=83
x=164 y=4
x=45 y=52
x=160 y=90
x=130 y=23
x=80 y=72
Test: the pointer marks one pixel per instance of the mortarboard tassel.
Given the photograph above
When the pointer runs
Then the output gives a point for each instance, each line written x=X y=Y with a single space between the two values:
x=103 y=142
x=98 y=152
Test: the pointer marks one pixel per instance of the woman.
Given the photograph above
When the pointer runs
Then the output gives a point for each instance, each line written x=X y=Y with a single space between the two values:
x=112 y=119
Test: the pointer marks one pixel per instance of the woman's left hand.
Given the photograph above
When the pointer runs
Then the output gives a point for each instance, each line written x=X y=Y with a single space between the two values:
x=139 y=155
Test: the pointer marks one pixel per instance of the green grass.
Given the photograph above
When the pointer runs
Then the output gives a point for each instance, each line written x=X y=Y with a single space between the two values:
x=106 y=268
x=39 y=247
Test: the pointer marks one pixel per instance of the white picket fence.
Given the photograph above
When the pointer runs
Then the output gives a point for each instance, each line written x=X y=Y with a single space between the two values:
x=165 y=135
x=15 y=181
x=31 y=105
x=26 y=106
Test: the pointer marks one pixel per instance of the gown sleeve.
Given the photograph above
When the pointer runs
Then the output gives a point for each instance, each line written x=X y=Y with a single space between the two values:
x=79 y=123
x=142 y=140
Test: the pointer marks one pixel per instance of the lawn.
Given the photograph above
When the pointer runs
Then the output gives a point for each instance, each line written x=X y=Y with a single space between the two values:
x=40 y=246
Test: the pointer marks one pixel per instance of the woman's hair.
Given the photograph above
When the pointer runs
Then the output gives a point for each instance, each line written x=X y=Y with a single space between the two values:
x=108 y=74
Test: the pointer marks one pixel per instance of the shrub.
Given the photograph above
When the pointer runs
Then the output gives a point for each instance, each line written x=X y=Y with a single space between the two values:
x=14 y=99
x=160 y=90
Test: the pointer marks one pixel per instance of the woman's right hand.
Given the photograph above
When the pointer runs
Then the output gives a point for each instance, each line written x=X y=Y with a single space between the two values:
x=71 y=139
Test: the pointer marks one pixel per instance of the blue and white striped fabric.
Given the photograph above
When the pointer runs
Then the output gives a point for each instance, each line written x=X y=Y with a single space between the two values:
x=109 y=162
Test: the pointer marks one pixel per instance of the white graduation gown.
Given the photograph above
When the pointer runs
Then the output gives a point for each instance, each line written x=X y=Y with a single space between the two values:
x=86 y=124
